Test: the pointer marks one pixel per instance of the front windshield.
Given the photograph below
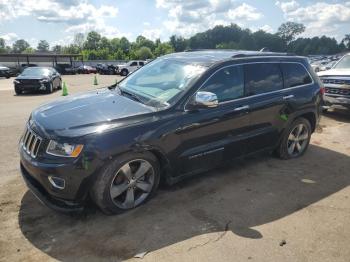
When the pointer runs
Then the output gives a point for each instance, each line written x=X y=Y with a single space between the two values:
x=344 y=63
x=32 y=71
x=162 y=81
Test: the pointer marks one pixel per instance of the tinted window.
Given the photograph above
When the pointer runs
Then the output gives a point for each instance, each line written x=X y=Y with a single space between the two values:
x=262 y=78
x=227 y=84
x=141 y=63
x=133 y=64
x=295 y=75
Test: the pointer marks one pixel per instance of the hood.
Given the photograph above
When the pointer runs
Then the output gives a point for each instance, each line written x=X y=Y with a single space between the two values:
x=87 y=113
x=4 y=68
x=335 y=72
x=31 y=77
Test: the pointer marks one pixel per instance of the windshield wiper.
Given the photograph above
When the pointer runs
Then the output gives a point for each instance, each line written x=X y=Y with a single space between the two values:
x=129 y=94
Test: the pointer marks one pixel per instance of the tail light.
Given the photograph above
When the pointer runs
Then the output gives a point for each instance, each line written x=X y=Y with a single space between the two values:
x=322 y=89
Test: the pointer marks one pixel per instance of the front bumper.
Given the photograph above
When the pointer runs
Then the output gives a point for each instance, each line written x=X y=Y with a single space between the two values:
x=32 y=86
x=330 y=100
x=44 y=197
x=72 y=197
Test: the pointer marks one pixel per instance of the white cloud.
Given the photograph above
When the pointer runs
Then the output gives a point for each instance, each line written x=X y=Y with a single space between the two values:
x=78 y=15
x=244 y=12
x=9 y=38
x=56 y=11
x=187 y=17
x=152 y=34
x=319 y=18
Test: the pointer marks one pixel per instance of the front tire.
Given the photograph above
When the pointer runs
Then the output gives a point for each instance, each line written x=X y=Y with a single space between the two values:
x=49 y=88
x=18 y=91
x=295 y=139
x=127 y=182
x=124 y=72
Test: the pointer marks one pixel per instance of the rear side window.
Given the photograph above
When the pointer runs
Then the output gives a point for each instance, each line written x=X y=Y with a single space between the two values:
x=263 y=78
x=141 y=63
x=227 y=83
x=295 y=75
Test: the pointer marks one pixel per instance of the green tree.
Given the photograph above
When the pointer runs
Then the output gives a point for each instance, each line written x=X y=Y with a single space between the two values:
x=43 y=46
x=79 y=39
x=57 y=49
x=29 y=50
x=92 y=41
x=2 y=46
x=124 y=44
x=143 y=41
x=346 y=41
x=289 y=31
x=272 y=41
x=163 y=49
x=19 y=46
x=178 y=43
x=144 y=53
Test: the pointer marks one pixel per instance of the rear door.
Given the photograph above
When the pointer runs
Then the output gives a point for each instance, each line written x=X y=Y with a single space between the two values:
x=264 y=83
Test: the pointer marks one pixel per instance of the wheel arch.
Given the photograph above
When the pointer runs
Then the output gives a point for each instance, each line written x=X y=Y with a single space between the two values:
x=311 y=117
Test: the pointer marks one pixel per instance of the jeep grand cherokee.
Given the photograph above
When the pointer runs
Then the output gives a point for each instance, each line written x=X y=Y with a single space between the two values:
x=179 y=115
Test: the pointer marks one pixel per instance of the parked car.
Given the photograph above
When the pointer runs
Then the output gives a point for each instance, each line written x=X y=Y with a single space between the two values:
x=131 y=66
x=104 y=69
x=66 y=69
x=24 y=66
x=337 y=83
x=7 y=72
x=179 y=115
x=85 y=69
x=45 y=79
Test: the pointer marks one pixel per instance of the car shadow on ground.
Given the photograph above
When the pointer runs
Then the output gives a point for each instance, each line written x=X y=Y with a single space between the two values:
x=236 y=198
x=339 y=114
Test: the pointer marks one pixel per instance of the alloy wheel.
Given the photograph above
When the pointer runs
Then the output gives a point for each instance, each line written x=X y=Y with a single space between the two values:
x=297 y=140
x=132 y=184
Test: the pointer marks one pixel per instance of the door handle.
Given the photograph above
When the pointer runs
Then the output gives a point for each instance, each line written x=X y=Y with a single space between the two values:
x=241 y=108
x=288 y=97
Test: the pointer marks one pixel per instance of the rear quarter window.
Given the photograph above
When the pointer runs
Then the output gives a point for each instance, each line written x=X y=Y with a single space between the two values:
x=295 y=75
x=263 y=78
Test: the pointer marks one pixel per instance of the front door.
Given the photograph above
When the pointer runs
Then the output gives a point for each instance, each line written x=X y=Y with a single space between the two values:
x=212 y=135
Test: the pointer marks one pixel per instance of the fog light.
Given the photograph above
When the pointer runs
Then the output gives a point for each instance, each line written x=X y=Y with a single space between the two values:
x=57 y=182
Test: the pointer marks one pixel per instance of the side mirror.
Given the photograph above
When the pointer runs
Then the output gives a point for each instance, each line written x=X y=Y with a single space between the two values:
x=203 y=99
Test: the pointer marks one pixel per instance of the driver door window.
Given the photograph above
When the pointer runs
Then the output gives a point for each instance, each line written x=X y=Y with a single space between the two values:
x=227 y=83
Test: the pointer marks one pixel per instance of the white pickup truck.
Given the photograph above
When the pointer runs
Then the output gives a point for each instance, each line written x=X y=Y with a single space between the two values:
x=129 y=67
x=337 y=83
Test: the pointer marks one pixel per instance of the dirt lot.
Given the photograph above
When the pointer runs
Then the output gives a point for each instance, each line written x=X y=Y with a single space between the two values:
x=258 y=209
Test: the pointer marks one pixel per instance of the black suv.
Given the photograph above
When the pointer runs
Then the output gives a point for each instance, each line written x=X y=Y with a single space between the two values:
x=179 y=115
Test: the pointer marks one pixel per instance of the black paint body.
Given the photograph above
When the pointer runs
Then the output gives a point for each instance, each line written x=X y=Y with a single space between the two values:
x=185 y=141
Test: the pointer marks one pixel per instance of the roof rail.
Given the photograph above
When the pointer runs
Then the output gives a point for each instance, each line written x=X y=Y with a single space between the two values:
x=261 y=54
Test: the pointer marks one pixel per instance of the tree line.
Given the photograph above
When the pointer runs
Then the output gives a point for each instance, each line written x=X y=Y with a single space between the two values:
x=94 y=46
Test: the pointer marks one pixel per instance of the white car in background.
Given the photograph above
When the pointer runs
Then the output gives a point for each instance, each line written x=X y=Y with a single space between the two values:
x=337 y=83
x=129 y=67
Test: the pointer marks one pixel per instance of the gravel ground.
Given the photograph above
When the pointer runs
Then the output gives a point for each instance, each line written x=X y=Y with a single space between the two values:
x=257 y=209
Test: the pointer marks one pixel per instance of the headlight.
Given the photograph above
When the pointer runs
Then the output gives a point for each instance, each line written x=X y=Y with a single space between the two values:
x=45 y=80
x=63 y=149
x=16 y=81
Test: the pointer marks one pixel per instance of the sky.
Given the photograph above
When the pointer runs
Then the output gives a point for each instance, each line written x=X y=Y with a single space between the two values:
x=57 y=21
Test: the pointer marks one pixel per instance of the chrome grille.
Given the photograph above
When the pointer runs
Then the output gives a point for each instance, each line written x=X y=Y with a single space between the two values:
x=336 y=81
x=337 y=91
x=31 y=142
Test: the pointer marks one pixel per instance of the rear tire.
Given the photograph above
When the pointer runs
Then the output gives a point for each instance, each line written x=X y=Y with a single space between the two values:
x=295 y=139
x=123 y=177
